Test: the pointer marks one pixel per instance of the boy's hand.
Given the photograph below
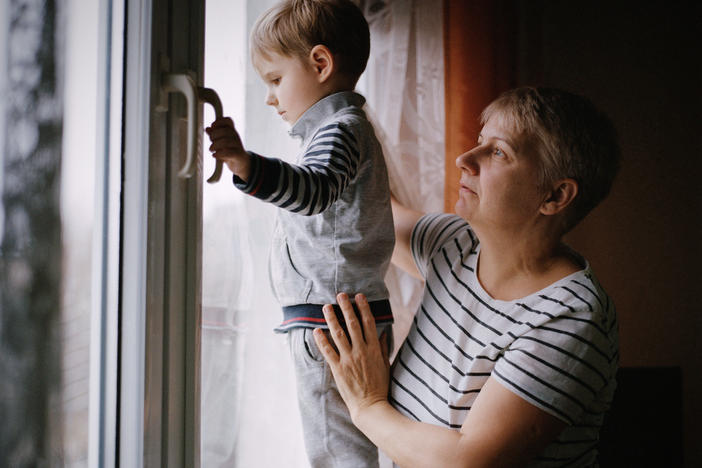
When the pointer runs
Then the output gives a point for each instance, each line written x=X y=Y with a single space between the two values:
x=227 y=147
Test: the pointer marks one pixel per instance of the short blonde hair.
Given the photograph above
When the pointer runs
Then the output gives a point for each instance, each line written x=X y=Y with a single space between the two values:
x=573 y=139
x=293 y=27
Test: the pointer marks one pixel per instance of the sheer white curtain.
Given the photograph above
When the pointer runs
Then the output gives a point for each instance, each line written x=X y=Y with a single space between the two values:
x=249 y=408
x=404 y=86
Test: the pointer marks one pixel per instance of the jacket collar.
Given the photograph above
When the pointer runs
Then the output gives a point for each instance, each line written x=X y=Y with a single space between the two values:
x=328 y=105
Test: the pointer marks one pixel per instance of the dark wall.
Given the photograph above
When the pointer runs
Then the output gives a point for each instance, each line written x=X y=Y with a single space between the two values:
x=639 y=62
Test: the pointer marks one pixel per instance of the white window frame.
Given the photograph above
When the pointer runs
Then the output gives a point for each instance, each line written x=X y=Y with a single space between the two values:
x=144 y=397
x=102 y=446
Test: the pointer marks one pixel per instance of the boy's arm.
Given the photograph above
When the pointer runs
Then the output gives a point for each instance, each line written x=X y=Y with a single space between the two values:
x=405 y=219
x=329 y=164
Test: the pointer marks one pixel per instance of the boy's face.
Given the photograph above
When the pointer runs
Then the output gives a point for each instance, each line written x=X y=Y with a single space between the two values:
x=292 y=83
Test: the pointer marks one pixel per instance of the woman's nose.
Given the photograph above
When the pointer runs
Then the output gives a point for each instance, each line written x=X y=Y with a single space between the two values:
x=468 y=161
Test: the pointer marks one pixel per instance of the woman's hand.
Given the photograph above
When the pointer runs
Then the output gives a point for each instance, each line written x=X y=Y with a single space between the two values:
x=360 y=366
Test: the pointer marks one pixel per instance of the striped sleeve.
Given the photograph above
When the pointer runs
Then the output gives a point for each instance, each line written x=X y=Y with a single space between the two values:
x=431 y=233
x=329 y=164
x=561 y=365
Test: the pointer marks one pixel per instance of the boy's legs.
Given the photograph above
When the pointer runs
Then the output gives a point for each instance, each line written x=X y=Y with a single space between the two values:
x=331 y=439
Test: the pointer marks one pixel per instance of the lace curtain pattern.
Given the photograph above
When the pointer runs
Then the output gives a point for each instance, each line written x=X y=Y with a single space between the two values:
x=404 y=85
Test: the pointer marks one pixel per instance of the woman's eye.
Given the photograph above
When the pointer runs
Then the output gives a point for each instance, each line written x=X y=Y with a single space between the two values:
x=275 y=81
x=498 y=152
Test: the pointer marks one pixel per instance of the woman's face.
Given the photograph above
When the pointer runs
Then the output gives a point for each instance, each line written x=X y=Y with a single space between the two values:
x=499 y=179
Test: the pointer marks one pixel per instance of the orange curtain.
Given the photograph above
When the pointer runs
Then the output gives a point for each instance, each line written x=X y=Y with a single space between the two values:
x=480 y=38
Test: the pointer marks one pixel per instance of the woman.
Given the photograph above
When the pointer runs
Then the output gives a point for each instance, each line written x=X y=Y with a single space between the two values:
x=512 y=356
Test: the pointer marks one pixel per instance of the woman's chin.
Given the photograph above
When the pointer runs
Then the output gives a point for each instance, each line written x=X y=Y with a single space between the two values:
x=462 y=209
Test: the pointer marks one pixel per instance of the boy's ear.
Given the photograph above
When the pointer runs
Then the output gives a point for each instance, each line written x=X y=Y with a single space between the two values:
x=322 y=60
x=560 y=196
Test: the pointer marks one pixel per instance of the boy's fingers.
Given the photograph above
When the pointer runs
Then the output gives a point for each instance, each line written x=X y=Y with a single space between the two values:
x=351 y=319
x=335 y=330
x=223 y=122
x=325 y=347
x=224 y=144
x=222 y=132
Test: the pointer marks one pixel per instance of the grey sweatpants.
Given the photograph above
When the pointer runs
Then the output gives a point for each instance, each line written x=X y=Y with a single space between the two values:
x=331 y=439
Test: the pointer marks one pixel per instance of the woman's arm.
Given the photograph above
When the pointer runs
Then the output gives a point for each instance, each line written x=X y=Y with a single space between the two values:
x=405 y=219
x=501 y=429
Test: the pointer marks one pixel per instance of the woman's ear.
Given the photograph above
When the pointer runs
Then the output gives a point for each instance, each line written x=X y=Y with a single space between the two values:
x=561 y=195
x=322 y=60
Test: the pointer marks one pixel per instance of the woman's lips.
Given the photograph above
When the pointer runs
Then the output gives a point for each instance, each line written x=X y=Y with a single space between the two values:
x=465 y=188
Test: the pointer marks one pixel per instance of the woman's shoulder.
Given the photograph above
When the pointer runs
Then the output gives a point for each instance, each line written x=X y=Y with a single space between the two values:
x=433 y=230
x=578 y=298
x=446 y=223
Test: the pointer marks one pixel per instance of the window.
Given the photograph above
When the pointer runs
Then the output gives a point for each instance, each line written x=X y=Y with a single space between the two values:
x=247 y=392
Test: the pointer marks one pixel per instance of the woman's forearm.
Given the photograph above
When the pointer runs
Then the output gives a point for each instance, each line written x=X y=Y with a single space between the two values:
x=410 y=444
x=361 y=371
x=404 y=219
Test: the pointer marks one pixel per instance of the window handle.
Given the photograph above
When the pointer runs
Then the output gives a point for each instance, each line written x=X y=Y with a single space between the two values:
x=184 y=84
x=210 y=95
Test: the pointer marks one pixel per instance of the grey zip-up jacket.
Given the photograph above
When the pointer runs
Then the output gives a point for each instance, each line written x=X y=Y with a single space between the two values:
x=335 y=232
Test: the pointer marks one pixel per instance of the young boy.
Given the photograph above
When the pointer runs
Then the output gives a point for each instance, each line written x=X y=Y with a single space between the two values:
x=335 y=230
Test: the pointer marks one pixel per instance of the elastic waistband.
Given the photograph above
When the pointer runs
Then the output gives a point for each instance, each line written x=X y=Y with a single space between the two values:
x=311 y=316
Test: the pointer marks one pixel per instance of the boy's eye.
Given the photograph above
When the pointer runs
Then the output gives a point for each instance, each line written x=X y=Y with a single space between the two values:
x=275 y=81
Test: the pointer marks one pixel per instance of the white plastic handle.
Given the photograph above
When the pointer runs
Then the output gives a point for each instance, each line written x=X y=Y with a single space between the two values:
x=183 y=83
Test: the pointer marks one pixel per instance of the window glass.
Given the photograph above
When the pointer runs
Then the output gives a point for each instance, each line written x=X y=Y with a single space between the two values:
x=249 y=407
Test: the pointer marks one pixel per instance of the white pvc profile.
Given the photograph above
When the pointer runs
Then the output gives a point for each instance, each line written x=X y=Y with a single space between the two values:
x=134 y=232
x=104 y=393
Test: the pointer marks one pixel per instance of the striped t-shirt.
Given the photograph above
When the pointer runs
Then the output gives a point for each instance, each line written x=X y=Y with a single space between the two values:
x=556 y=348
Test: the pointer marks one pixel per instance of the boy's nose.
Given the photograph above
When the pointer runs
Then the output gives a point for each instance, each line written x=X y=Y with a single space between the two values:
x=270 y=99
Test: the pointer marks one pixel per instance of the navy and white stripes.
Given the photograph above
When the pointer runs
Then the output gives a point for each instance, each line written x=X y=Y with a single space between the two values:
x=330 y=162
x=556 y=348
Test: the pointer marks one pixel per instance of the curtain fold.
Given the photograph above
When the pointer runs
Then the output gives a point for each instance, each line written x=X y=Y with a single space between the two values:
x=404 y=86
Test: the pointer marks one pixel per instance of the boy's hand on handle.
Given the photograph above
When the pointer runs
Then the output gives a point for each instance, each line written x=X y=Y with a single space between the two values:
x=360 y=367
x=227 y=147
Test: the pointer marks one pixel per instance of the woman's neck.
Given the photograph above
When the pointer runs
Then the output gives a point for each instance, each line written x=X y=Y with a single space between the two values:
x=511 y=267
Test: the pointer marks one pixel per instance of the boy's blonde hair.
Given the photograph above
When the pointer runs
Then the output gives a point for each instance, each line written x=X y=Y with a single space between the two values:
x=293 y=27
x=573 y=139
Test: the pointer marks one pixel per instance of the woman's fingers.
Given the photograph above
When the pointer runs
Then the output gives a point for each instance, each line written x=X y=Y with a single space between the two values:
x=325 y=347
x=367 y=319
x=335 y=330
x=385 y=348
x=361 y=333
x=352 y=325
